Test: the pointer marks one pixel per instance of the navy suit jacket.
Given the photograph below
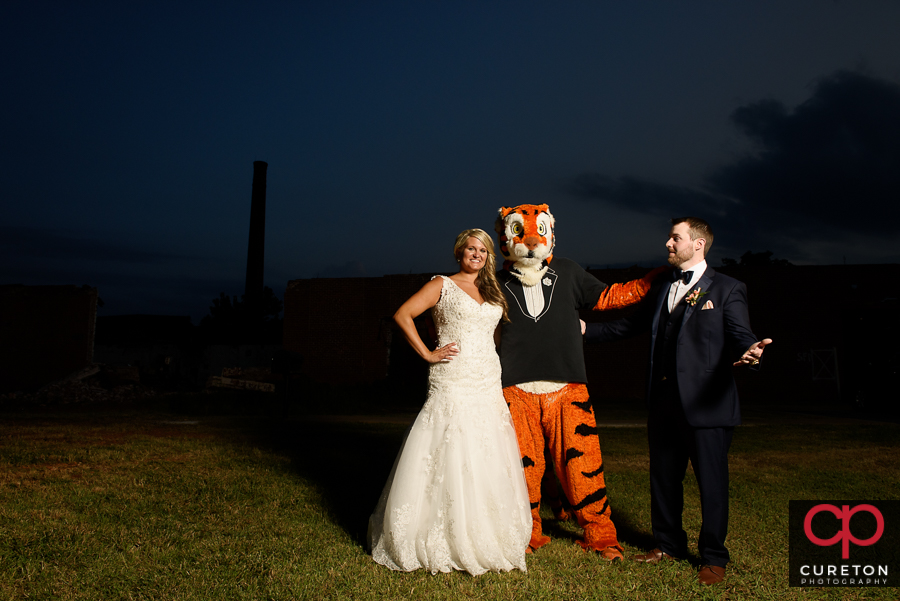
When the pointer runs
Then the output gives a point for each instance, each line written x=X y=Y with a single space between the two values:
x=709 y=342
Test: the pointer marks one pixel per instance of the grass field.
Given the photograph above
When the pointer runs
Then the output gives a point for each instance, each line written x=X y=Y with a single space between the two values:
x=153 y=505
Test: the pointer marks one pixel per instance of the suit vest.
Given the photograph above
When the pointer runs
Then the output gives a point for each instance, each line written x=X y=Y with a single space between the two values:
x=667 y=340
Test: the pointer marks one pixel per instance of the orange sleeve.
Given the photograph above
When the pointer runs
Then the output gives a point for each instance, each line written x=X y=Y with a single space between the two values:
x=618 y=296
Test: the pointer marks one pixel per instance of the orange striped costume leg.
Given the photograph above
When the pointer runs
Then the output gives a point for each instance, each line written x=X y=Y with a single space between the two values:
x=579 y=468
x=565 y=420
x=525 y=409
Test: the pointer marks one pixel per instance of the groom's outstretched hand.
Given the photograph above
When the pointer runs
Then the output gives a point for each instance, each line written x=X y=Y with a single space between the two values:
x=753 y=354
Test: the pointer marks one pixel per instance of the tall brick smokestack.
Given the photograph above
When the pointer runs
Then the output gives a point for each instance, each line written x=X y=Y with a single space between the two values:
x=253 y=286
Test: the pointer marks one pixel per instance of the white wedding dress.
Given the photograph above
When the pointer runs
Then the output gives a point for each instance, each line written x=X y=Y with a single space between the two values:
x=456 y=498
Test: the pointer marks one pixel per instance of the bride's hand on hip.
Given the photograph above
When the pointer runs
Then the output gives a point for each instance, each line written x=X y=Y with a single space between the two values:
x=444 y=353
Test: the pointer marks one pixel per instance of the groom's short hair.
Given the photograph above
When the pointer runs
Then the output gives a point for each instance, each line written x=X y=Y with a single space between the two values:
x=698 y=228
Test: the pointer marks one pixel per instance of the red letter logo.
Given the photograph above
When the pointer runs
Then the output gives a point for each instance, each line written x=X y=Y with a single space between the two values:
x=844 y=514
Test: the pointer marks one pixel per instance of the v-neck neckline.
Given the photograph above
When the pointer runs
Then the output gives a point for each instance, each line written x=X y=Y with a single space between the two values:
x=466 y=293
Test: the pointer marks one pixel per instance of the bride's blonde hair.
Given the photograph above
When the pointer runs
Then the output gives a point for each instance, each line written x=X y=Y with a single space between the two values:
x=486 y=280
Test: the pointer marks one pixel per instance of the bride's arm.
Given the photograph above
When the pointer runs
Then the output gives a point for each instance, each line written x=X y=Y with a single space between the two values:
x=417 y=304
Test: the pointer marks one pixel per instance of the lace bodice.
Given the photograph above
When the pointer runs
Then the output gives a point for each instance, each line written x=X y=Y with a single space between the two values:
x=459 y=318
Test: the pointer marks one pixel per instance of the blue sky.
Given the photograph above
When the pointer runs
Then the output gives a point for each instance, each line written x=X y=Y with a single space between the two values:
x=130 y=128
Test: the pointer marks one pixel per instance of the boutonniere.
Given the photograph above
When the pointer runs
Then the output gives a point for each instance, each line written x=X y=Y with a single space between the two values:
x=547 y=281
x=693 y=297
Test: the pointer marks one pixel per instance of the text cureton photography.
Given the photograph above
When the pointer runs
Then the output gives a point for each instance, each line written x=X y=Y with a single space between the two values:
x=844 y=543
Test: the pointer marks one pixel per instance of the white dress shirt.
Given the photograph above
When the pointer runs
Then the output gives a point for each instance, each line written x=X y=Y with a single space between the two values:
x=534 y=299
x=679 y=289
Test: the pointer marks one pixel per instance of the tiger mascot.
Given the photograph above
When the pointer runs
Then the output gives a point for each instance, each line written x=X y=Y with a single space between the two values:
x=543 y=371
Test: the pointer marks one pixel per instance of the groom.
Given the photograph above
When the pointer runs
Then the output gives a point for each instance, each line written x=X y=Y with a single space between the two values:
x=699 y=329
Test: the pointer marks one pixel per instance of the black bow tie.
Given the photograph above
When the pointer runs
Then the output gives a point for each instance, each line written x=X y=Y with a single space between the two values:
x=684 y=276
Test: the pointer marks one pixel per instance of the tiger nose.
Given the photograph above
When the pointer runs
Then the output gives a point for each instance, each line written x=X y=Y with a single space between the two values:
x=531 y=242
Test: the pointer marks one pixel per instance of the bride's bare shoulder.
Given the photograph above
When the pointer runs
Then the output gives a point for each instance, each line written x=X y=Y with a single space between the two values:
x=433 y=287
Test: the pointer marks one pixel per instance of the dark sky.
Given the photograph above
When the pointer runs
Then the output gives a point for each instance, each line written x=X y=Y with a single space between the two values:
x=129 y=130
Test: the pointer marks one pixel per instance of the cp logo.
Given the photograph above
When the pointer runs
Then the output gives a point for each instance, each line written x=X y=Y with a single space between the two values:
x=844 y=514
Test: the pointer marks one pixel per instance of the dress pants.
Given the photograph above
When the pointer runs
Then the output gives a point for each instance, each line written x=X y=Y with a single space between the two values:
x=672 y=443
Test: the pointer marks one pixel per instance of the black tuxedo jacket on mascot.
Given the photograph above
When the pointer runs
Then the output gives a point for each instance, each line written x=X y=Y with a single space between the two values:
x=542 y=358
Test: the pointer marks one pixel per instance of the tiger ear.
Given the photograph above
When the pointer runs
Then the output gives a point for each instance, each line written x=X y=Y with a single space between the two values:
x=546 y=209
x=499 y=227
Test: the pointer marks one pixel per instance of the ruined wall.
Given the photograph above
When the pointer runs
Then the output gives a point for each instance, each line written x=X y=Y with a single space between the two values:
x=170 y=352
x=46 y=333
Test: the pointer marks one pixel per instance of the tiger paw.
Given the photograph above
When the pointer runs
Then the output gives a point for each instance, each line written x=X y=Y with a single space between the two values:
x=607 y=553
x=611 y=554
x=538 y=541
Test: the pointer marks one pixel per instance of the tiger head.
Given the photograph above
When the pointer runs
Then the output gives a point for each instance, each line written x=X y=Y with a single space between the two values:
x=526 y=240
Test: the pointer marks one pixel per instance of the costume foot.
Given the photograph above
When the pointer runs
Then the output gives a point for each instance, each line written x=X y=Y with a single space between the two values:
x=537 y=542
x=655 y=556
x=598 y=537
x=711 y=575
x=611 y=554
x=608 y=553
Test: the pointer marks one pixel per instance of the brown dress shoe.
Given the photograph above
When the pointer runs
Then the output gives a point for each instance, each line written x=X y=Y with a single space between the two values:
x=654 y=556
x=711 y=575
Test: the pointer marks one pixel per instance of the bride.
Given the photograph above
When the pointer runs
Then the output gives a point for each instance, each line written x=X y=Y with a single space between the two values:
x=456 y=498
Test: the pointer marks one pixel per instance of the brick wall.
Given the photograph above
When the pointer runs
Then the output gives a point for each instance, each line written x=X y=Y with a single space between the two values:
x=343 y=327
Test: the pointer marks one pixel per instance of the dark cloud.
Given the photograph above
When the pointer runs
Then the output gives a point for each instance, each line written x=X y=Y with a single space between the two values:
x=834 y=160
x=646 y=196
x=665 y=200
x=37 y=243
x=125 y=291
x=828 y=169
x=129 y=279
